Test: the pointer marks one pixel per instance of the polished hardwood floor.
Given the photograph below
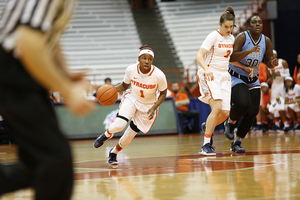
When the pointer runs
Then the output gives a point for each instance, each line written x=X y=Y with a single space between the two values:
x=169 y=167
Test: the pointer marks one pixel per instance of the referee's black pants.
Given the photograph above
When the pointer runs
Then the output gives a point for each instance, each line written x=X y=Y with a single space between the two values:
x=45 y=161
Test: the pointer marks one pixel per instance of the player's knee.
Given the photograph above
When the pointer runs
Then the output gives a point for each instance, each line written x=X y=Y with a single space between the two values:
x=134 y=127
x=118 y=125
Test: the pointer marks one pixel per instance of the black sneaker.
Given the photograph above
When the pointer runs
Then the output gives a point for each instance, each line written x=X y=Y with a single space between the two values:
x=207 y=150
x=99 y=142
x=229 y=129
x=236 y=147
x=203 y=127
x=112 y=158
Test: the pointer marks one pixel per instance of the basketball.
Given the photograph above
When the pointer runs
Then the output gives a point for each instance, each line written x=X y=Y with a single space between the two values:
x=107 y=95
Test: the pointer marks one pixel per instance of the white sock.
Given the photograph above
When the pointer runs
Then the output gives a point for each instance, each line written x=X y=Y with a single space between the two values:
x=107 y=134
x=115 y=151
x=206 y=140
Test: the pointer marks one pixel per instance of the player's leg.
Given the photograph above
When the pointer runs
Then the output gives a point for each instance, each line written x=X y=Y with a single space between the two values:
x=126 y=138
x=240 y=105
x=246 y=121
x=211 y=122
x=126 y=112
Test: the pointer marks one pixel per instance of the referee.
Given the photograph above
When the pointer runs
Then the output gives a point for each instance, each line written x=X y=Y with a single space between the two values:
x=31 y=62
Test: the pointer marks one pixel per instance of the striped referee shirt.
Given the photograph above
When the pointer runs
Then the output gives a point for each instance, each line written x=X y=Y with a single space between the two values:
x=48 y=16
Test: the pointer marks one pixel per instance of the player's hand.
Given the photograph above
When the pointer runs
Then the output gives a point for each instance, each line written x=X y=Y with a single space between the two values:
x=250 y=70
x=75 y=100
x=256 y=48
x=209 y=74
x=150 y=113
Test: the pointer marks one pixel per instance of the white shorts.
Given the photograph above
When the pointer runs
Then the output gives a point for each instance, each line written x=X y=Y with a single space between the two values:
x=133 y=109
x=219 y=88
x=277 y=90
x=294 y=106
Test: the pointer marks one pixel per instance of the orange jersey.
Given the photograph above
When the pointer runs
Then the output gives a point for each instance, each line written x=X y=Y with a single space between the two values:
x=266 y=99
x=180 y=96
x=262 y=74
x=295 y=75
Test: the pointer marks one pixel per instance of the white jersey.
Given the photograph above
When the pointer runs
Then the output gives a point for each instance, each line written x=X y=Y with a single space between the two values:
x=281 y=70
x=293 y=93
x=144 y=86
x=219 y=50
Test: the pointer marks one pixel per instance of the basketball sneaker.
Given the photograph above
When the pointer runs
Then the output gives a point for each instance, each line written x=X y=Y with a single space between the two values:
x=203 y=127
x=236 y=147
x=229 y=129
x=112 y=158
x=99 y=142
x=207 y=150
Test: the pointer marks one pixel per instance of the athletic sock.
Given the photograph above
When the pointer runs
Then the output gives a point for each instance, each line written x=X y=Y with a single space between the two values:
x=107 y=134
x=115 y=150
x=207 y=138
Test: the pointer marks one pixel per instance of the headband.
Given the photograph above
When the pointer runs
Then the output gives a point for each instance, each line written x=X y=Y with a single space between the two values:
x=288 y=78
x=264 y=84
x=146 y=51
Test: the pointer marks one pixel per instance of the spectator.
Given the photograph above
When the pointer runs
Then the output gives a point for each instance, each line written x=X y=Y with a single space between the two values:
x=107 y=81
x=297 y=70
x=278 y=75
x=292 y=100
x=181 y=102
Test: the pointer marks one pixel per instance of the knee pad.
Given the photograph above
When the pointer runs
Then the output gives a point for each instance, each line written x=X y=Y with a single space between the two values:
x=118 y=125
x=134 y=127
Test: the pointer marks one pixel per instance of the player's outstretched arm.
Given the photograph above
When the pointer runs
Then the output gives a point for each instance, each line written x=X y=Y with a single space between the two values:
x=33 y=51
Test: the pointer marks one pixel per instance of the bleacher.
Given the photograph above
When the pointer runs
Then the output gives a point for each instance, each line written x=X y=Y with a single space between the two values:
x=189 y=22
x=102 y=38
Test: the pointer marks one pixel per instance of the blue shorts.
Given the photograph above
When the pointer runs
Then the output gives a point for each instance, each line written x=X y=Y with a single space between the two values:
x=235 y=81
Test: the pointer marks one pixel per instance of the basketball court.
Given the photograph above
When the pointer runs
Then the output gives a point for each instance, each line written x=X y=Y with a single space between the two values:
x=169 y=167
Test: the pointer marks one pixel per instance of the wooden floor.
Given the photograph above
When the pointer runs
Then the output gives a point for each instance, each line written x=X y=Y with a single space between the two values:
x=169 y=167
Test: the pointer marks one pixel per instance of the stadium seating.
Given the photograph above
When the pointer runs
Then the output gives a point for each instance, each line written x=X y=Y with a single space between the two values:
x=189 y=22
x=102 y=39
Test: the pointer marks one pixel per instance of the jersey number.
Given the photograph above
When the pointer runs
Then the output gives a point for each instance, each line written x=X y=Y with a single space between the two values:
x=227 y=54
x=252 y=63
x=142 y=93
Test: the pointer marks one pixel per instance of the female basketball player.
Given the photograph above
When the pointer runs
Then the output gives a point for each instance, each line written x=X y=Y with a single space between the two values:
x=140 y=104
x=213 y=76
x=250 y=48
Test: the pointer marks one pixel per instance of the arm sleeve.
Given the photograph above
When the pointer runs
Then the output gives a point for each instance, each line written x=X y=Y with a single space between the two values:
x=286 y=72
x=209 y=41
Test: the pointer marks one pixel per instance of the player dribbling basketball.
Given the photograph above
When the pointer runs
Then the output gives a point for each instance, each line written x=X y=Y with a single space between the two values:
x=140 y=104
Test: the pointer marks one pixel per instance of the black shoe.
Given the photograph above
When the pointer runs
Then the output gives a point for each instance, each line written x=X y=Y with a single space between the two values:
x=207 y=150
x=265 y=128
x=112 y=158
x=229 y=129
x=236 y=147
x=99 y=142
x=203 y=127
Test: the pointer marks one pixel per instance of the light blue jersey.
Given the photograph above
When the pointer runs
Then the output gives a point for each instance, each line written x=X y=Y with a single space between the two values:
x=253 y=59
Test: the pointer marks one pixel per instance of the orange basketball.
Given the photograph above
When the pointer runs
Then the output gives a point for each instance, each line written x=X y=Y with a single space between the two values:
x=107 y=95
